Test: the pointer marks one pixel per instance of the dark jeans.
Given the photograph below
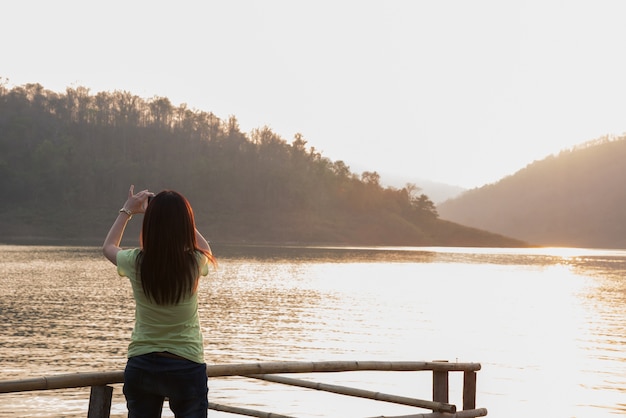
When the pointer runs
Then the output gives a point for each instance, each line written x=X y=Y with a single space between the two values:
x=149 y=379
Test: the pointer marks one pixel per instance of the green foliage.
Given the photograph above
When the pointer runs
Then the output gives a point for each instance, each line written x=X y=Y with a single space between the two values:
x=66 y=161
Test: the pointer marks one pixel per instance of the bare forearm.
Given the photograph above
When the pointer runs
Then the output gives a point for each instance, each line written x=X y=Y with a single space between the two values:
x=202 y=242
x=113 y=239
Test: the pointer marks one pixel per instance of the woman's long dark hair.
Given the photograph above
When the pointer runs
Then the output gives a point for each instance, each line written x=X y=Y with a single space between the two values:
x=168 y=266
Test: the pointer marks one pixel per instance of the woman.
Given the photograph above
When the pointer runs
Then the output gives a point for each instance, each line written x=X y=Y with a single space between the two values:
x=166 y=352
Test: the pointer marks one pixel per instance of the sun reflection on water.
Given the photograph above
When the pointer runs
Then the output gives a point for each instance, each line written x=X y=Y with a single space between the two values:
x=546 y=324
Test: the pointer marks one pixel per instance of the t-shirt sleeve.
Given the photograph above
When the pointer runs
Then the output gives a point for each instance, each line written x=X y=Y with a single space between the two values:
x=203 y=262
x=126 y=262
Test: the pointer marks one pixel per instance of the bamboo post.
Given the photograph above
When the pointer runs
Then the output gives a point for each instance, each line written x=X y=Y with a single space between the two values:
x=440 y=384
x=469 y=390
x=100 y=402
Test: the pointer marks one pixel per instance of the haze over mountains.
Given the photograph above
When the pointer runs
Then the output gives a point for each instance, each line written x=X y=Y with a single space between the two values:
x=576 y=199
x=436 y=191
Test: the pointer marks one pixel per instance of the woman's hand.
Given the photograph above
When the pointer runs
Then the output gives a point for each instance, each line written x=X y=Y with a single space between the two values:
x=136 y=203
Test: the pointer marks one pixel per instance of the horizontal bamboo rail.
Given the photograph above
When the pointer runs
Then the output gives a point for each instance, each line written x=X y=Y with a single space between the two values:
x=62 y=381
x=337 y=366
x=75 y=380
x=101 y=394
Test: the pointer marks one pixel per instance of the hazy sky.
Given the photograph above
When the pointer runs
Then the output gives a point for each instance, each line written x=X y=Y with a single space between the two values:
x=461 y=92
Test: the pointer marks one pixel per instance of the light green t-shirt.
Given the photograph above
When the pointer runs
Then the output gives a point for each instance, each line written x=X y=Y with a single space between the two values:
x=171 y=328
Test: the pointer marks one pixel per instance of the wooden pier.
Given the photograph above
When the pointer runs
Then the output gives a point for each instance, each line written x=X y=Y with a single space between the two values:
x=101 y=391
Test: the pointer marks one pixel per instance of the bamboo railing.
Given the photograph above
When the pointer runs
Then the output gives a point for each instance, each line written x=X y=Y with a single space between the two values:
x=101 y=392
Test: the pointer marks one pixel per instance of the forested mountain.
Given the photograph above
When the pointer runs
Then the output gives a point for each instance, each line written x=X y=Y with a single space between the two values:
x=67 y=160
x=576 y=198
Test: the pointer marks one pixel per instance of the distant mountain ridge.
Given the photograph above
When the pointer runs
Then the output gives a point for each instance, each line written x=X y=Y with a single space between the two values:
x=576 y=198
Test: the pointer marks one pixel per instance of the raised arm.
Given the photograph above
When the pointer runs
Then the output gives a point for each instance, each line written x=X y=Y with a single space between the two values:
x=202 y=242
x=135 y=203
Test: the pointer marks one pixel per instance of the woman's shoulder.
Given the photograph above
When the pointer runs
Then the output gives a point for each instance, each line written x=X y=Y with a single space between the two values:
x=126 y=261
x=131 y=251
x=128 y=255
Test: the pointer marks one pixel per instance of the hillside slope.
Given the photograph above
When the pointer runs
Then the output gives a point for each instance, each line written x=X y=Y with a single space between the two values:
x=576 y=198
x=67 y=160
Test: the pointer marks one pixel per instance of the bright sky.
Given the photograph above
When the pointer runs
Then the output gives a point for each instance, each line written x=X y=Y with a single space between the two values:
x=461 y=92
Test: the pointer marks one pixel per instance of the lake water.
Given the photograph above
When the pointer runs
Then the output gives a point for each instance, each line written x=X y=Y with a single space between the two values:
x=547 y=325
